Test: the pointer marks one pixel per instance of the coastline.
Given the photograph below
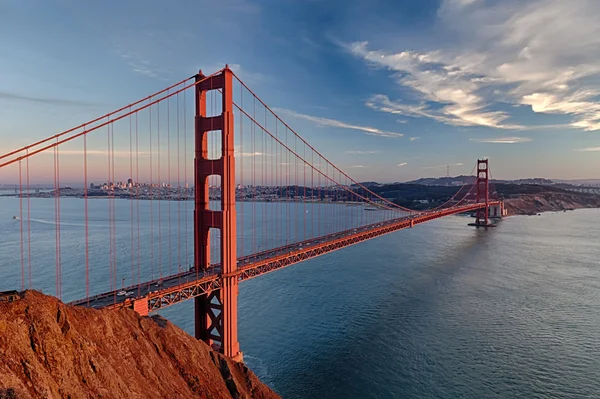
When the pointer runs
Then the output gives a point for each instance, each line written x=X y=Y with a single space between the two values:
x=532 y=204
x=515 y=204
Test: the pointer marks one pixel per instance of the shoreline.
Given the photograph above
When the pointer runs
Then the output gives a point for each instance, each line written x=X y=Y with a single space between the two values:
x=517 y=204
x=533 y=204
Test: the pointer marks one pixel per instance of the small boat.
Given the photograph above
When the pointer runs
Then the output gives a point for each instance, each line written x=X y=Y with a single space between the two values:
x=16 y=218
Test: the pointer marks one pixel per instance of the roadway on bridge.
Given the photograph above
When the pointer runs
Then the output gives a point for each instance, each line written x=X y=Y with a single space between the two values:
x=147 y=289
x=150 y=287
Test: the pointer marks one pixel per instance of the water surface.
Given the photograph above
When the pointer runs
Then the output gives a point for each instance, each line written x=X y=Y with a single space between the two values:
x=439 y=311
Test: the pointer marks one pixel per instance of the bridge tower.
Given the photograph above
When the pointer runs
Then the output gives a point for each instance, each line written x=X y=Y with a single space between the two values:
x=216 y=312
x=483 y=193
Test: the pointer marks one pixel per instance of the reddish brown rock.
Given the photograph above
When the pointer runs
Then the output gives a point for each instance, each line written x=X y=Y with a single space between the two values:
x=52 y=350
x=531 y=204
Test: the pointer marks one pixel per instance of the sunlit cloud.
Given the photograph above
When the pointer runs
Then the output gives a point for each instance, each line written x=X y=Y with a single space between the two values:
x=589 y=149
x=370 y=131
x=403 y=164
x=237 y=151
x=506 y=53
x=247 y=76
x=502 y=140
x=357 y=166
x=250 y=154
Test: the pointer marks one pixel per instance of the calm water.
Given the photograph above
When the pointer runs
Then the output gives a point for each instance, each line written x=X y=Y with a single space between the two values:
x=439 y=311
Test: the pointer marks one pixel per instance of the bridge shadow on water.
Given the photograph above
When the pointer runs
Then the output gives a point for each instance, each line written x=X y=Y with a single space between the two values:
x=373 y=297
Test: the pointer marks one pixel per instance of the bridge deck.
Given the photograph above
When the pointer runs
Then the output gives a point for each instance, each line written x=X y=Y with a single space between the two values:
x=179 y=287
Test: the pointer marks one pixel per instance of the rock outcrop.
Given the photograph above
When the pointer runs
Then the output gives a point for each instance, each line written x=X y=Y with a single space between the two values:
x=531 y=204
x=52 y=350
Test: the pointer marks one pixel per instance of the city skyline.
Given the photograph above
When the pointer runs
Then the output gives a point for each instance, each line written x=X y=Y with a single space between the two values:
x=434 y=84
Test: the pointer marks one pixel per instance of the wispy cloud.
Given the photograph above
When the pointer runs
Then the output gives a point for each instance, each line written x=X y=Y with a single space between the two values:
x=461 y=3
x=138 y=64
x=357 y=166
x=589 y=149
x=143 y=50
x=238 y=152
x=434 y=81
x=504 y=52
x=466 y=110
x=502 y=140
x=414 y=138
x=361 y=152
x=442 y=166
x=50 y=101
x=249 y=77
x=403 y=164
x=250 y=154
x=370 y=131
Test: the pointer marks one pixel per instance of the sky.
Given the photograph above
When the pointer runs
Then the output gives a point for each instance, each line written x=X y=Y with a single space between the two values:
x=388 y=90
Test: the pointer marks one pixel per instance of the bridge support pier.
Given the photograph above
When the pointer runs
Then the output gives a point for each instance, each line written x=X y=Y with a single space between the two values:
x=216 y=313
x=482 y=215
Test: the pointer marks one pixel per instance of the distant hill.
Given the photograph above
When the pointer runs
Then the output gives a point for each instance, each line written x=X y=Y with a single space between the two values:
x=425 y=196
x=444 y=181
x=579 y=182
x=536 y=180
x=461 y=180
x=366 y=184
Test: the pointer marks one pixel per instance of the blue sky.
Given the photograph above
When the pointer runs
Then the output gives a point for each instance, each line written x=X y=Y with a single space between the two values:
x=388 y=90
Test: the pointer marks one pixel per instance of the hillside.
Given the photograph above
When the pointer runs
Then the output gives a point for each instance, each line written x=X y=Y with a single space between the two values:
x=52 y=350
x=531 y=204
x=520 y=199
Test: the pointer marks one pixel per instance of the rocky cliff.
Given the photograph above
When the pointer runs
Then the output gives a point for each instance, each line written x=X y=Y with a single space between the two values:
x=52 y=350
x=531 y=204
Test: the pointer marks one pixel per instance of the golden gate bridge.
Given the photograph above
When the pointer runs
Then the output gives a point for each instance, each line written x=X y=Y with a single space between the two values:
x=293 y=203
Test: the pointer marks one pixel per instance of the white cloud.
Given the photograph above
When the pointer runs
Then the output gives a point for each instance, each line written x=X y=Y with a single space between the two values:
x=403 y=164
x=237 y=151
x=502 y=140
x=414 y=138
x=135 y=49
x=250 y=154
x=589 y=149
x=544 y=54
x=360 y=152
x=248 y=77
x=435 y=82
x=461 y=3
x=357 y=166
x=371 y=131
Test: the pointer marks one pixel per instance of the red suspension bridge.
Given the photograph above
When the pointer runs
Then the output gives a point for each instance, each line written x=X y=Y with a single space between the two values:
x=131 y=233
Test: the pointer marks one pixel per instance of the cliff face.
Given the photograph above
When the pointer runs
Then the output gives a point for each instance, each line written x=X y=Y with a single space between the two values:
x=52 y=350
x=530 y=204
